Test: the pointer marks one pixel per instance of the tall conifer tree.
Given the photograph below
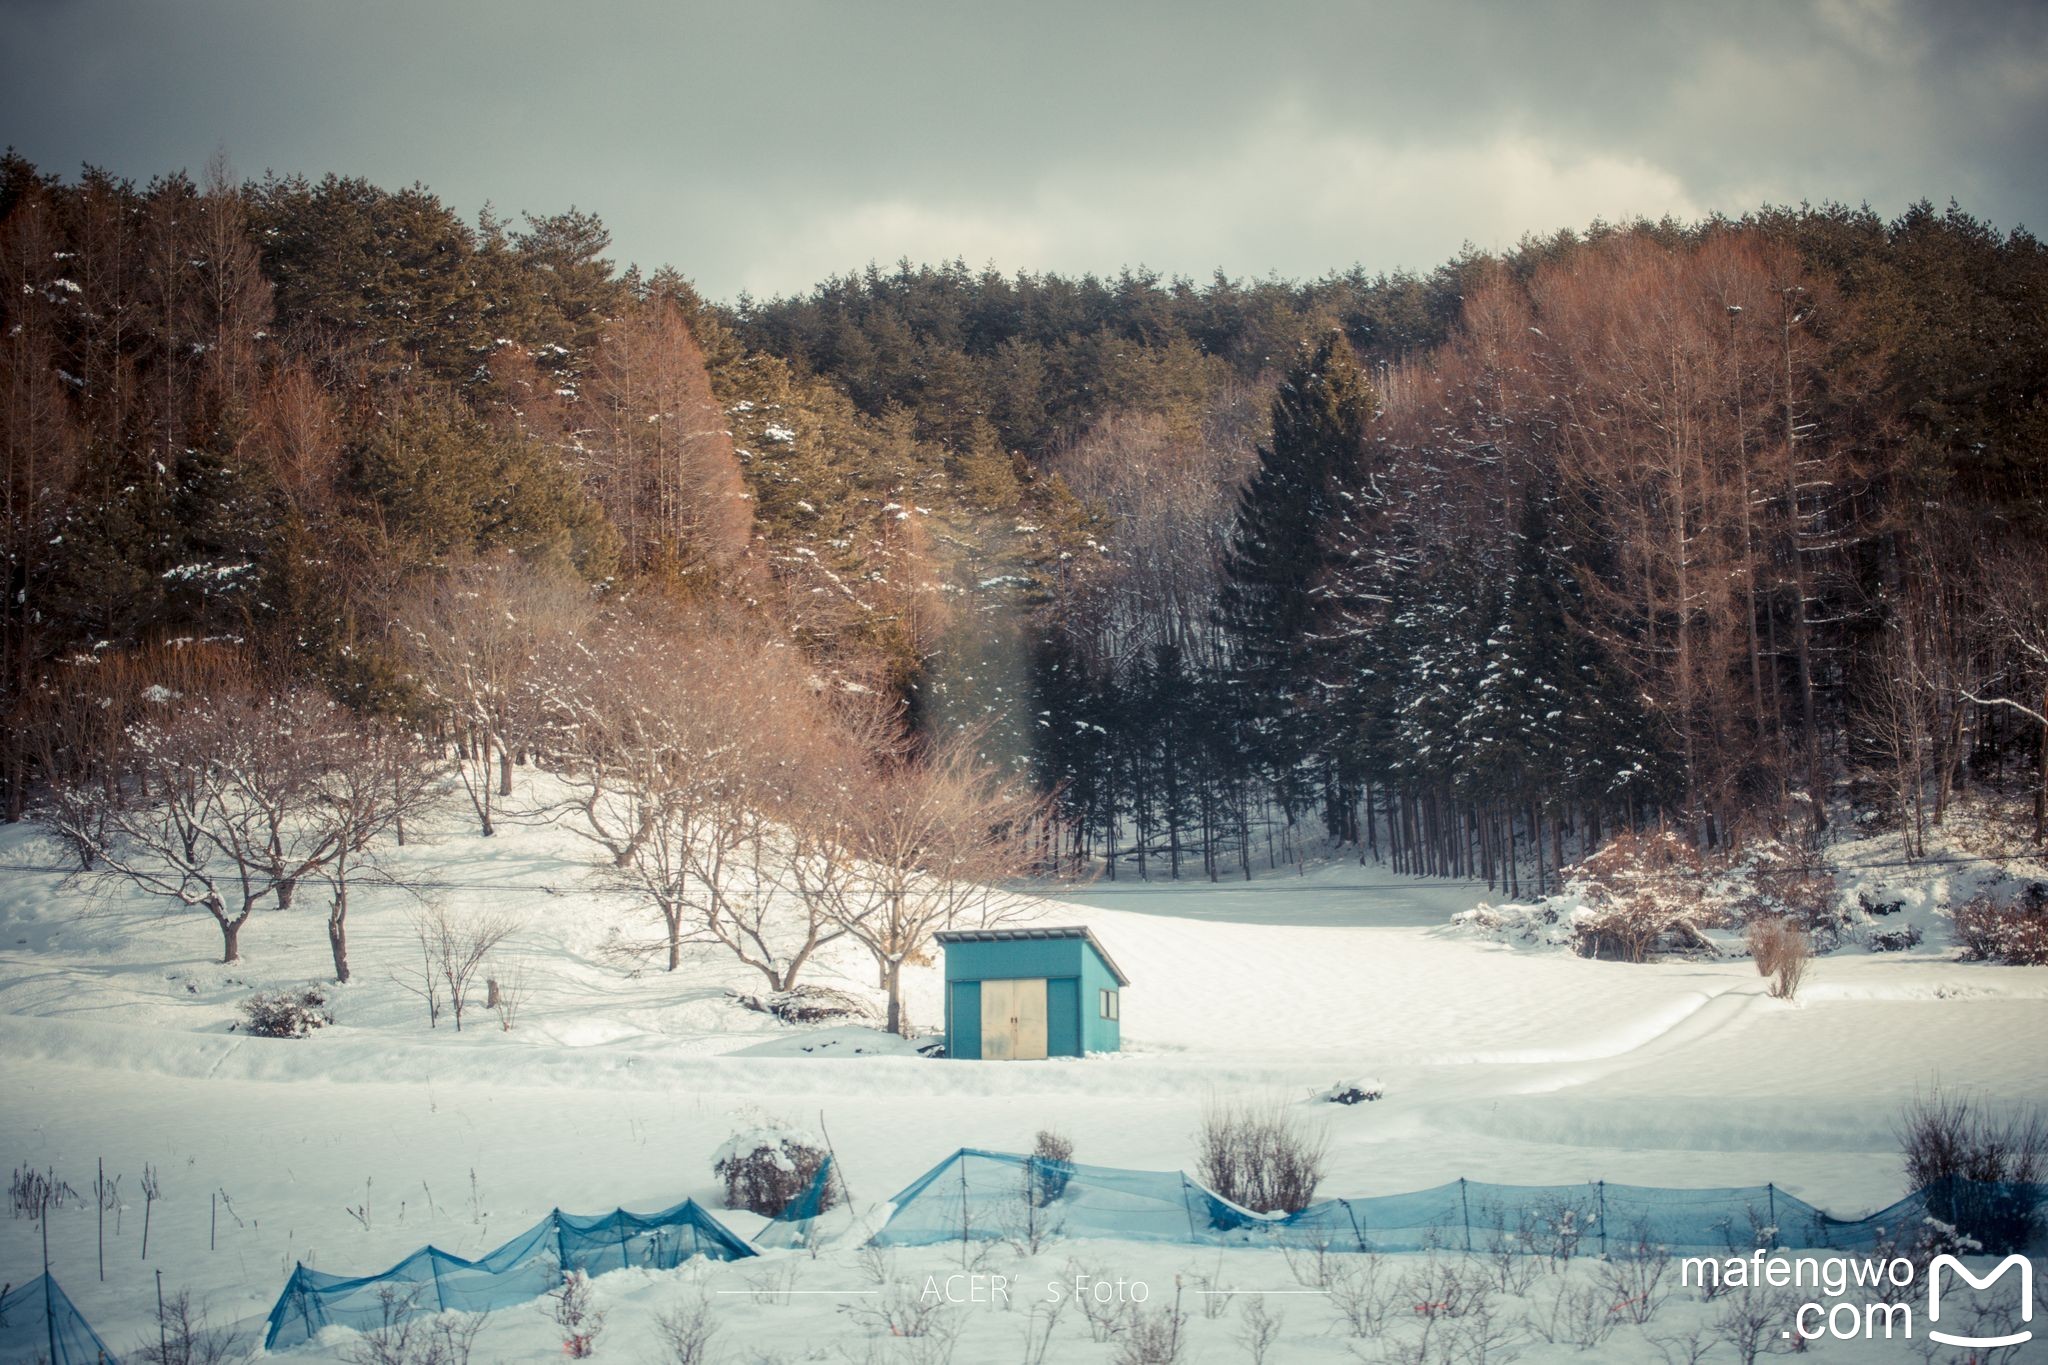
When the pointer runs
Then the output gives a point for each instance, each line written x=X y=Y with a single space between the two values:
x=1280 y=556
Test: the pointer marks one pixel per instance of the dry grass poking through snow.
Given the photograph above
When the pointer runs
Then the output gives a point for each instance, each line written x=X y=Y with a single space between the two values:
x=1781 y=951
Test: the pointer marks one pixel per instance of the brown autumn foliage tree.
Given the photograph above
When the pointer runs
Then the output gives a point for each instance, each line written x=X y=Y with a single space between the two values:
x=656 y=450
x=1686 y=430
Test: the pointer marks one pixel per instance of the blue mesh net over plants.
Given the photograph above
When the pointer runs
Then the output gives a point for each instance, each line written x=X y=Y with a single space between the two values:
x=976 y=1195
x=531 y=1264
x=38 y=1323
x=796 y=1225
x=995 y=1196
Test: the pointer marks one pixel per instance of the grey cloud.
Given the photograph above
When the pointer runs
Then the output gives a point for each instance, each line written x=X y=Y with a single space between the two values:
x=760 y=145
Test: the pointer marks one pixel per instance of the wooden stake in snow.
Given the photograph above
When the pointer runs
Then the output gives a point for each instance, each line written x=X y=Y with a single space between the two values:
x=150 y=1190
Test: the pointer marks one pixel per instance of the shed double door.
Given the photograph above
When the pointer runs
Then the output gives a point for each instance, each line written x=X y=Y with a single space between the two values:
x=1013 y=1019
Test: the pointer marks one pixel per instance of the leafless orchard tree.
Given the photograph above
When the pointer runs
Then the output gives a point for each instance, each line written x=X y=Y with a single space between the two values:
x=714 y=739
x=379 y=777
x=613 y=729
x=453 y=948
x=486 y=638
x=226 y=813
x=928 y=836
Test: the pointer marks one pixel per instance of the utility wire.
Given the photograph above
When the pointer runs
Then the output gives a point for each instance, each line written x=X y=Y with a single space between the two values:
x=1267 y=885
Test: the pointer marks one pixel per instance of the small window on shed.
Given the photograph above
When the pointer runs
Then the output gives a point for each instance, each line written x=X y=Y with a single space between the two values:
x=1109 y=1005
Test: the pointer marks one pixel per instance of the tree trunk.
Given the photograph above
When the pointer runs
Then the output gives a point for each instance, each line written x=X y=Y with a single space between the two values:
x=337 y=932
x=230 y=937
x=17 y=782
x=2041 y=792
x=504 y=770
x=892 y=979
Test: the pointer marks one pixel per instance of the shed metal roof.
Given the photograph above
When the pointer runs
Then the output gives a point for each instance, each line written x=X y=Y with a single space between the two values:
x=1080 y=931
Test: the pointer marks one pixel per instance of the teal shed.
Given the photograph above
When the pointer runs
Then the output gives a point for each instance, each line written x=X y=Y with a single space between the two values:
x=1023 y=994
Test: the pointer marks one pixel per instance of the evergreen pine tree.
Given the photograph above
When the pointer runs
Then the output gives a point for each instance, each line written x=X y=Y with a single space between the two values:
x=1280 y=555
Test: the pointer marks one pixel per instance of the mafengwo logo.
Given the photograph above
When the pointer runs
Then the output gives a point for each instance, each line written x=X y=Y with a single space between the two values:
x=2026 y=1269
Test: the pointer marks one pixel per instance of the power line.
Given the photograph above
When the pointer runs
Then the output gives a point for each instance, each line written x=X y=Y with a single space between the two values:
x=1267 y=885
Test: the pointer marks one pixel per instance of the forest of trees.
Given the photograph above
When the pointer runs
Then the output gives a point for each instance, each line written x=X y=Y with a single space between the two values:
x=1707 y=525
x=1702 y=526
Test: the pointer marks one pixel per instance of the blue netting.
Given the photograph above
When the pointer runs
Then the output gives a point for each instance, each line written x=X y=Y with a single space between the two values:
x=524 y=1268
x=991 y=1196
x=37 y=1322
x=796 y=1224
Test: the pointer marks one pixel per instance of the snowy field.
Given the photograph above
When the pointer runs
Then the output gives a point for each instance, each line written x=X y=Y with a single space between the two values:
x=615 y=1089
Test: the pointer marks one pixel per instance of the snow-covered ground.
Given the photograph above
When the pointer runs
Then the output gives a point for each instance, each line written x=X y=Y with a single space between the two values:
x=616 y=1089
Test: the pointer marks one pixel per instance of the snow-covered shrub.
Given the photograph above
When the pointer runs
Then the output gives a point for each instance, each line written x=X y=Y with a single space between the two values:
x=1762 y=936
x=1261 y=1155
x=506 y=993
x=31 y=1193
x=1894 y=940
x=406 y=1334
x=1632 y=1277
x=287 y=1014
x=1577 y=1315
x=1362 y=1091
x=1544 y=924
x=809 y=1005
x=2015 y=934
x=1639 y=894
x=1791 y=881
x=926 y=1324
x=1752 y=1320
x=1980 y=1167
x=1052 y=1166
x=767 y=1165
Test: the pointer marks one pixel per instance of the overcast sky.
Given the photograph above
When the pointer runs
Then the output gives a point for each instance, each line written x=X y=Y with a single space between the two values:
x=762 y=145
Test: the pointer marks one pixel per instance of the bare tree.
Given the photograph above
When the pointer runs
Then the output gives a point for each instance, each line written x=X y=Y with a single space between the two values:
x=929 y=836
x=453 y=948
x=378 y=778
x=2016 y=590
x=613 y=723
x=486 y=637
x=1893 y=721
x=226 y=815
x=717 y=739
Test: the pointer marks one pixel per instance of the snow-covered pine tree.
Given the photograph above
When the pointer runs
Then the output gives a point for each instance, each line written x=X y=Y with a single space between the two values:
x=1279 y=626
